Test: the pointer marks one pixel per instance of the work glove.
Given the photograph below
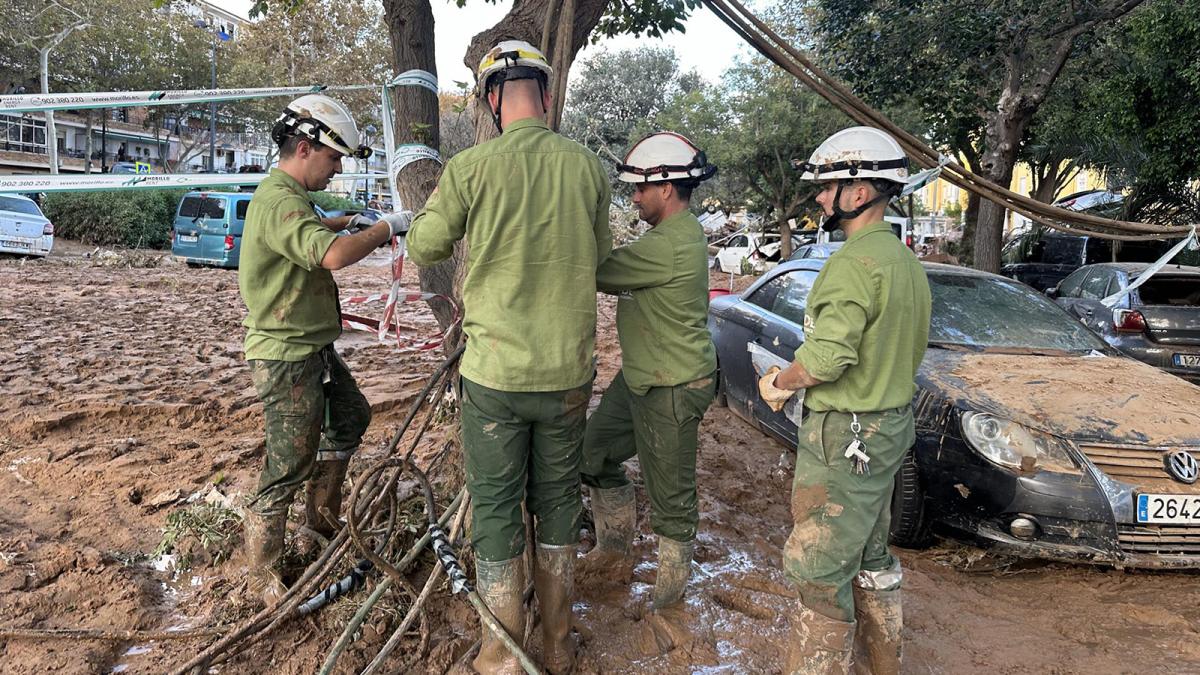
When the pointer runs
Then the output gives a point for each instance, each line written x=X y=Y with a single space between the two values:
x=398 y=222
x=358 y=222
x=772 y=395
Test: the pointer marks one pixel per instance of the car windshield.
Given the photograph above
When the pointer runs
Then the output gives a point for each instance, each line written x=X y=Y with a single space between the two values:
x=19 y=205
x=997 y=313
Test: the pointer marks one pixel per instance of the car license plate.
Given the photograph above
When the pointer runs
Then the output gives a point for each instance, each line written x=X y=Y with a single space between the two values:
x=1169 y=509
x=1188 y=360
x=8 y=243
x=189 y=238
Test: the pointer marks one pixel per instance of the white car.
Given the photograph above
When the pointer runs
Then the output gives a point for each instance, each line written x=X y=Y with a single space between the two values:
x=759 y=249
x=23 y=228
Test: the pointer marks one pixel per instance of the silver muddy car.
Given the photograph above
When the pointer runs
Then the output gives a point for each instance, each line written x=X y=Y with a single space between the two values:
x=1158 y=322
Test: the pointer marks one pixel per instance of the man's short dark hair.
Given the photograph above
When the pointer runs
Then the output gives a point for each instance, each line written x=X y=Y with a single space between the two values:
x=886 y=187
x=290 y=145
x=684 y=189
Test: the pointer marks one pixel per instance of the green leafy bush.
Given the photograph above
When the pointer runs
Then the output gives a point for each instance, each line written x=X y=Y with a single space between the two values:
x=132 y=218
x=331 y=202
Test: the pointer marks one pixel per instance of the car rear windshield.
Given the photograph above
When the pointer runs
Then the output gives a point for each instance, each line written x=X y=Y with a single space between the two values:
x=202 y=207
x=990 y=312
x=19 y=205
x=1166 y=290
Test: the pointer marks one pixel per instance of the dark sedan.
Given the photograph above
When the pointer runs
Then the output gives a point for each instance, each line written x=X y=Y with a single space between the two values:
x=1032 y=433
x=1157 y=322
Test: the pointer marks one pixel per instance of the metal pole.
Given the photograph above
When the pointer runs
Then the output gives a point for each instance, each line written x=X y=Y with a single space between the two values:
x=212 y=112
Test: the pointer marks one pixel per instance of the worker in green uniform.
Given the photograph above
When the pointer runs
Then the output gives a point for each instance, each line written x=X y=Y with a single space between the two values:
x=654 y=405
x=865 y=326
x=533 y=208
x=315 y=415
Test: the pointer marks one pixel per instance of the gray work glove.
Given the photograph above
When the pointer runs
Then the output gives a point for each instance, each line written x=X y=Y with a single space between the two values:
x=398 y=222
x=359 y=222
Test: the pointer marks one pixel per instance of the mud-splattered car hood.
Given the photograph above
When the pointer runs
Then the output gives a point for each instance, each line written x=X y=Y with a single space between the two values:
x=1106 y=399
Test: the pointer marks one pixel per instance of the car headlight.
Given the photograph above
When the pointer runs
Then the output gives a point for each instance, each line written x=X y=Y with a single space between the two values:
x=1017 y=447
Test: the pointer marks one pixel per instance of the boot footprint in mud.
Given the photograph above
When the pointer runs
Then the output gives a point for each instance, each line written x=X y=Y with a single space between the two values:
x=671 y=630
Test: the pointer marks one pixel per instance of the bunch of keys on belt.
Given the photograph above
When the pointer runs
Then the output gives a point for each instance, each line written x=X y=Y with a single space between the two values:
x=856 y=452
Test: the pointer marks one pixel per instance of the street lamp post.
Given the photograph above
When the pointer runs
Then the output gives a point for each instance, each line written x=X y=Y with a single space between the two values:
x=216 y=32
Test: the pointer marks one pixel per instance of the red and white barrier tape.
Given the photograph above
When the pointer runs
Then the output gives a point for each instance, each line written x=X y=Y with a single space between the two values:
x=394 y=296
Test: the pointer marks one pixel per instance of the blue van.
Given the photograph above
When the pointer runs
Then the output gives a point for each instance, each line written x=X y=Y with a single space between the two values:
x=208 y=228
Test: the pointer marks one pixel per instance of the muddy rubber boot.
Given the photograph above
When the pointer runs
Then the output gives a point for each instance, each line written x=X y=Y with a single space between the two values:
x=501 y=586
x=264 y=548
x=880 y=620
x=324 y=490
x=554 y=583
x=614 y=511
x=819 y=645
x=674 y=568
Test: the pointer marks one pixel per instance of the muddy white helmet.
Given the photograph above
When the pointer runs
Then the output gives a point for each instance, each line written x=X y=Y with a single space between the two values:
x=665 y=156
x=320 y=119
x=857 y=153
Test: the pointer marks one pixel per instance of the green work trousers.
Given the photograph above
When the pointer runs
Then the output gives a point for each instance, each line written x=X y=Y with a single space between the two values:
x=298 y=406
x=661 y=428
x=522 y=446
x=842 y=518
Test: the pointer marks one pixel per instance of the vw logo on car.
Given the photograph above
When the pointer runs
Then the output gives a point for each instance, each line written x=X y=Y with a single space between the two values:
x=1182 y=466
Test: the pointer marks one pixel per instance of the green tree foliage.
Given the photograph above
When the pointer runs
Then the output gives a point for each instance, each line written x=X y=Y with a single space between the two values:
x=979 y=72
x=1142 y=120
x=617 y=96
x=331 y=42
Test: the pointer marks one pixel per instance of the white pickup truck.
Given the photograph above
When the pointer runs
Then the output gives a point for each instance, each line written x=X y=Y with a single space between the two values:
x=23 y=228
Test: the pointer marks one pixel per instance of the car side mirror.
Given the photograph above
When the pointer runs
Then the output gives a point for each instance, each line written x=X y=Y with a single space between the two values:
x=1052 y=292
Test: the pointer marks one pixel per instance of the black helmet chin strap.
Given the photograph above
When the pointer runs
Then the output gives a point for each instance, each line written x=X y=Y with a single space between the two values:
x=843 y=214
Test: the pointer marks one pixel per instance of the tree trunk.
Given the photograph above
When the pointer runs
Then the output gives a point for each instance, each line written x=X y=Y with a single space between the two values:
x=785 y=238
x=410 y=26
x=51 y=131
x=1005 y=129
x=966 y=245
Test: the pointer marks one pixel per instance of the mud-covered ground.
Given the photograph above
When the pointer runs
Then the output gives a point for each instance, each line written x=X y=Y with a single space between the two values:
x=123 y=394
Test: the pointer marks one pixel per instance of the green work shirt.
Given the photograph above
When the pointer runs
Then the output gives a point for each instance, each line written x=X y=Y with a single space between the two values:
x=866 y=325
x=662 y=313
x=533 y=207
x=292 y=300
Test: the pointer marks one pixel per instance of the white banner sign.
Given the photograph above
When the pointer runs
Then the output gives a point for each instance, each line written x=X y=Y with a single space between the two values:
x=125 y=99
x=143 y=181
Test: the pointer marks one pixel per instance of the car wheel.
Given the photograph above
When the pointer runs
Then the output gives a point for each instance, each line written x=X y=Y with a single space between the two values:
x=910 y=526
